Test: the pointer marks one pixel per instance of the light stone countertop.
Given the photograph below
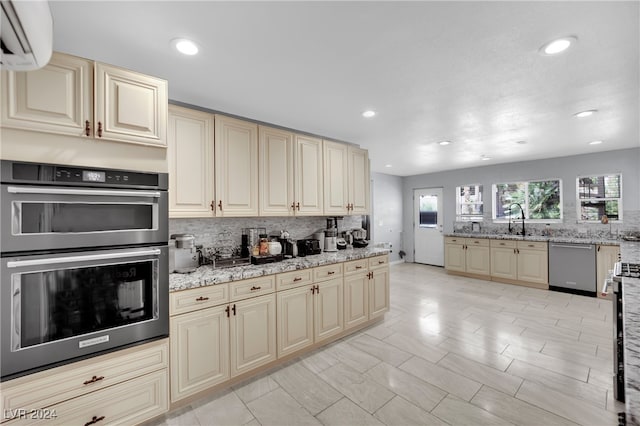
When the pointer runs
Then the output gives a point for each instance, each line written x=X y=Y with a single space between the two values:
x=630 y=253
x=207 y=275
x=559 y=239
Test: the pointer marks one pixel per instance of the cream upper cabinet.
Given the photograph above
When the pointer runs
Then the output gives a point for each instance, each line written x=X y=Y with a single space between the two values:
x=359 y=181
x=276 y=158
x=606 y=257
x=236 y=167
x=336 y=178
x=308 y=185
x=57 y=98
x=190 y=156
x=129 y=106
x=78 y=97
x=252 y=333
x=199 y=351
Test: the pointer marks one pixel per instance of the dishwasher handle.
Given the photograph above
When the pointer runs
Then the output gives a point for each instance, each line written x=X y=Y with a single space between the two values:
x=581 y=247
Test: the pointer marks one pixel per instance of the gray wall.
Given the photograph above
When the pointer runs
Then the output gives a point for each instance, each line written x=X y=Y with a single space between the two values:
x=386 y=217
x=625 y=161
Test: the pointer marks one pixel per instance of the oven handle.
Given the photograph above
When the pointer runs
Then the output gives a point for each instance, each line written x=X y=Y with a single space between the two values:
x=70 y=191
x=87 y=258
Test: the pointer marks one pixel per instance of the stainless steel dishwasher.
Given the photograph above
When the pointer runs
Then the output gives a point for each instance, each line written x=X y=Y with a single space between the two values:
x=572 y=268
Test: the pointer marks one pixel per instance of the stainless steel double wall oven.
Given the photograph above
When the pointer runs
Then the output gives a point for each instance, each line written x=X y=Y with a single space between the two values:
x=84 y=263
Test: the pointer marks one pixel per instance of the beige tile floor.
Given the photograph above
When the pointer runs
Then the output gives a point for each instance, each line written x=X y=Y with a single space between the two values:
x=451 y=350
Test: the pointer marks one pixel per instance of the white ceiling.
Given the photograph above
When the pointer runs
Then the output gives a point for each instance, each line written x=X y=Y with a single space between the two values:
x=468 y=72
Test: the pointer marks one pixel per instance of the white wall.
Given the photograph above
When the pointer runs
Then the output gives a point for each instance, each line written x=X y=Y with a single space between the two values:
x=386 y=217
x=625 y=161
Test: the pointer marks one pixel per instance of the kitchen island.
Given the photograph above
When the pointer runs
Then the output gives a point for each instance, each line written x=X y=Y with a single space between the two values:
x=630 y=253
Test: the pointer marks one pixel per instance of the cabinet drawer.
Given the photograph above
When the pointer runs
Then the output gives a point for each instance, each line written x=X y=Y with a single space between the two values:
x=453 y=240
x=378 y=261
x=252 y=287
x=198 y=298
x=532 y=245
x=503 y=243
x=478 y=242
x=356 y=266
x=128 y=403
x=294 y=279
x=327 y=272
x=49 y=387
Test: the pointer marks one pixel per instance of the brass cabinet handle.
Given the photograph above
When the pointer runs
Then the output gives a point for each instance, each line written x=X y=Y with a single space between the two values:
x=227 y=311
x=255 y=288
x=380 y=262
x=313 y=289
x=93 y=380
x=94 y=420
x=502 y=244
x=358 y=267
x=514 y=250
x=331 y=272
x=530 y=245
x=296 y=279
x=234 y=309
x=293 y=206
x=213 y=205
x=87 y=128
x=298 y=206
x=220 y=205
x=201 y=299
x=100 y=135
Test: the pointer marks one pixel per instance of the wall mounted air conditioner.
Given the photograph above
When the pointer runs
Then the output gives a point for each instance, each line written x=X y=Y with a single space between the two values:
x=26 y=34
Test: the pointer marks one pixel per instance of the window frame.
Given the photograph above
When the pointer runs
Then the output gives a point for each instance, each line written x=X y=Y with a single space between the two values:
x=459 y=216
x=579 y=200
x=526 y=203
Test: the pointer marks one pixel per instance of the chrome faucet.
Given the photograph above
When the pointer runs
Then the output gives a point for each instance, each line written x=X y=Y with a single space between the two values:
x=522 y=212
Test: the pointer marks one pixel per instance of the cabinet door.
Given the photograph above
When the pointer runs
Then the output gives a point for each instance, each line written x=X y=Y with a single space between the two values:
x=379 y=292
x=253 y=333
x=454 y=257
x=130 y=107
x=356 y=299
x=276 y=172
x=199 y=351
x=295 y=319
x=336 y=178
x=236 y=170
x=359 y=180
x=606 y=257
x=504 y=263
x=477 y=260
x=328 y=309
x=57 y=98
x=533 y=266
x=190 y=158
x=308 y=184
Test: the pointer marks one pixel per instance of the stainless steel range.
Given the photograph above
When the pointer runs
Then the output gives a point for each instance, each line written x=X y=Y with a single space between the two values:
x=84 y=263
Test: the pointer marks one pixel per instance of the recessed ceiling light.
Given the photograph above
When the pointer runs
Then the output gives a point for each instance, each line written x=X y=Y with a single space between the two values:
x=521 y=142
x=369 y=113
x=387 y=165
x=485 y=158
x=595 y=142
x=444 y=143
x=557 y=46
x=583 y=114
x=184 y=46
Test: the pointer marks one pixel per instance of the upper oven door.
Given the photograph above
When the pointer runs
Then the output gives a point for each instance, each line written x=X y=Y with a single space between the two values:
x=51 y=217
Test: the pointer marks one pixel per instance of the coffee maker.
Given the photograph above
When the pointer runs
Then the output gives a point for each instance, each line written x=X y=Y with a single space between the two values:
x=331 y=235
x=183 y=254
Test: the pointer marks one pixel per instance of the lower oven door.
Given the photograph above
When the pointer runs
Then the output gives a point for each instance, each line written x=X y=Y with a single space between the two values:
x=61 y=307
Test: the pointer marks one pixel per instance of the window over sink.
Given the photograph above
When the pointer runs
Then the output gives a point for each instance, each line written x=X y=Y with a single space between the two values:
x=598 y=196
x=541 y=200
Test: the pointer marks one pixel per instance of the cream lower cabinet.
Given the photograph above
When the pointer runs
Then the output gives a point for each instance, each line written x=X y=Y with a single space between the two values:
x=60 y=98
x=524 y=261
x=295 y=319
x=356 y=293
x=379 y=300
x=328 y=309
x=124 y=387
x=190 y=157
x=606 y=257
x=469 y=255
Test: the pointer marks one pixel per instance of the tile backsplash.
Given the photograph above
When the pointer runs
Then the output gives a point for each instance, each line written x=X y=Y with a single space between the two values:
x=223 y=235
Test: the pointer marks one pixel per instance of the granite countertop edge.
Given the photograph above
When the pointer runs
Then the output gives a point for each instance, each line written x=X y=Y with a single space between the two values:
x=207 y=275
x=541 y=238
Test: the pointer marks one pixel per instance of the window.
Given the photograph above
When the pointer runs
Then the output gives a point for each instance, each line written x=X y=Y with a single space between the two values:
x=469 y=202
x=428 y=211
x=540 y=200
x=599 y=196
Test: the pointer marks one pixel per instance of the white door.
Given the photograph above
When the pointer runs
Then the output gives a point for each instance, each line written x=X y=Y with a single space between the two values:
x=428 y=236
